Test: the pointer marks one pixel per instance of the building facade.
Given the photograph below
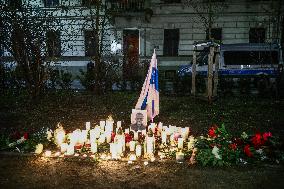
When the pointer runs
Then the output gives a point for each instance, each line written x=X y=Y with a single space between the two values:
x=137 y=27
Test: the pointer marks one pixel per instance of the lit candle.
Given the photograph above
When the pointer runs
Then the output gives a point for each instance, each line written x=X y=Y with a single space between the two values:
x=97 y=131
x=135 y=136
x=113 y=150
x=63 y=147
x=179 y=157
x=180 y=143
x=70 y=150
x=132 y=146
x=102 y=125
x=108 y=137
x=88 y=126
x=126 y=131
x=164 y=137
x=132 y=157
x=118 y=124
x=138 y=150
x=92 y=135
x=59 y=135
x=190 y=144
x=102 y=139
x=83 y=136
x=47 y=153
x=94 y=147
x=150 y=145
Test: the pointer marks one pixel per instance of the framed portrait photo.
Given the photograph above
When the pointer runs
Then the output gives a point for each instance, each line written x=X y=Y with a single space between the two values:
x=139 y=116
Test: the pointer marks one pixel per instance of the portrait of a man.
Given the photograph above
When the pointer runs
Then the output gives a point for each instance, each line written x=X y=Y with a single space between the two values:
x=138 y=120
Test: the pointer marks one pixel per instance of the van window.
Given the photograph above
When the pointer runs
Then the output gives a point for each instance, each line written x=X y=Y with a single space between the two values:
x=250 y=57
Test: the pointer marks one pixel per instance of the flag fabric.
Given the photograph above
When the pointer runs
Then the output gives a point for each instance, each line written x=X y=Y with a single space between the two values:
x=149 y=96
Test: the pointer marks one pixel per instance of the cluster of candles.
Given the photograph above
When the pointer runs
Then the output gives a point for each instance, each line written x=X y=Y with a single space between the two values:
x=170 y=136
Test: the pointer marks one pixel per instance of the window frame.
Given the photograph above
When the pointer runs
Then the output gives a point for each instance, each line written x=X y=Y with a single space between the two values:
x=55 y=50
x=255 y=38
x=89 y=52
x=171 y=42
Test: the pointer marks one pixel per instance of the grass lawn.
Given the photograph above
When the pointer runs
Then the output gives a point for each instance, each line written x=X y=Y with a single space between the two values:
x=74 y=109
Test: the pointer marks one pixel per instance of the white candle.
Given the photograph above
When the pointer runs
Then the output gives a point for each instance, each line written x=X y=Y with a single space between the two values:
x=88 y=125
x=119 y=146
x=132 y=146
x=118 y=124
x=84 y=136
x=92 y=135
x=102 y=139
x=70 y=150
x=59 y=136
x=108 y=137
x=135 y=135
x=179 y=157
x=97 y=131
x=132 y=157
x=126 y=131
x=190 y=144
x=63 y=147
x=94 y=147
x=102 y=125
x=164 y=137
x=150 y=145
x=138 y=150
x=180 y=143
x=113 y=150
x=47 y=153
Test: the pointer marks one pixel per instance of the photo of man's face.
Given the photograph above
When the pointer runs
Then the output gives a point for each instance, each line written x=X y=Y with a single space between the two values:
x=139 y=119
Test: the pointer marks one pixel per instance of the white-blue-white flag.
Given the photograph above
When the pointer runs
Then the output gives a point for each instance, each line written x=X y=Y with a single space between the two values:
x=149 y=96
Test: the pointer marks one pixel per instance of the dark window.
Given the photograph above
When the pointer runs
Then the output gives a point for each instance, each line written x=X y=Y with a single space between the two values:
x=170 y=74
x=171 y=42
x=90 y=43
x=250 y=57
x=15 y=4
x=216 y=34
x=257 y=35
x=88 y=2
x=53 y=43
x=51 y=3
x=171 y=1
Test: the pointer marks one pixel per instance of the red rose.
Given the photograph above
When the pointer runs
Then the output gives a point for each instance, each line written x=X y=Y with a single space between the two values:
x=266 y=135
x=26 y=135
x=212 y=132
x=112 y=136
x=128 y=138
x=233 y=146
x=16 y=135
x=247 y=150
x=257 y=140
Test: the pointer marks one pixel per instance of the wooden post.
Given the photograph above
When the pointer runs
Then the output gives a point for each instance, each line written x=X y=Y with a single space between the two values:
x=215 y=87
x=193 y=73
x=210 y=74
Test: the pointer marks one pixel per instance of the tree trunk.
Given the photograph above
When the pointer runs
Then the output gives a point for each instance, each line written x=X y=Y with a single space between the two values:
x=193 y=74
x=215 y=88
x=210 y=74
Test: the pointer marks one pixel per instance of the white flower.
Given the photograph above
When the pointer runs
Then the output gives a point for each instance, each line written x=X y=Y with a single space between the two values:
x=244 y=135
x=215 y=152
x=49 y=135
x=243 y=161
x=259 y=151
x=39 y=149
